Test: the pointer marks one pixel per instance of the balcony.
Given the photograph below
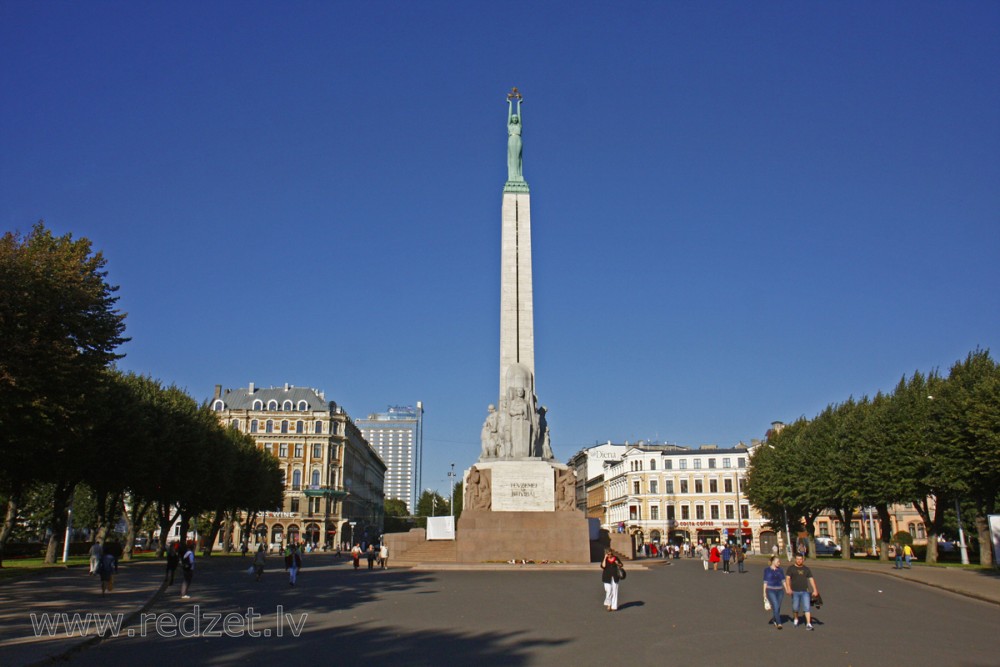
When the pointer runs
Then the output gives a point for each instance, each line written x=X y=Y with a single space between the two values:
x=324 y=491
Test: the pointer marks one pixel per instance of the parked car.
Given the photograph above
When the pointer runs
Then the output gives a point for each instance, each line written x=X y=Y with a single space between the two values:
x=827 y=546
x=141 y=544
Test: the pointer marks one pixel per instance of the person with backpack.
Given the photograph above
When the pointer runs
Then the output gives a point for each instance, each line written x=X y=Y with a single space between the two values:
x=106 y=568
x=741 y=555
x=187 y=569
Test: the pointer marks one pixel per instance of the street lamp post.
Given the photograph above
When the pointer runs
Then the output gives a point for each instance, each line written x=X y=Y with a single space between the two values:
x=451 y=488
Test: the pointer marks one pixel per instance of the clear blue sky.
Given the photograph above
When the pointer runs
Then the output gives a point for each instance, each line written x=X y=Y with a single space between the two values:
x=741 y=211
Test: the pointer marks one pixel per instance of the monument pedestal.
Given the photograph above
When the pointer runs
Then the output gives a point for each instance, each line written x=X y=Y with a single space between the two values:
x=521 y=510
x=485 y=536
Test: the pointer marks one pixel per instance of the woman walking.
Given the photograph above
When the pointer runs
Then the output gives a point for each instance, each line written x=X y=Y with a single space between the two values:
x=774 y=590
x=611 y=573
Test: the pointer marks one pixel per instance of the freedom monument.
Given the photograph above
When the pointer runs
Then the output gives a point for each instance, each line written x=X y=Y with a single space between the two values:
x=518 y=502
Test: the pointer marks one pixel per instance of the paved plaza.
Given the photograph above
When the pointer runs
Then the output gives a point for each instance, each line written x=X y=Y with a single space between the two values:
x=508 y=615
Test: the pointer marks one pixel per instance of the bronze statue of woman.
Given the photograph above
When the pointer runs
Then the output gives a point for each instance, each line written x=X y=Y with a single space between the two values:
x=514 y=138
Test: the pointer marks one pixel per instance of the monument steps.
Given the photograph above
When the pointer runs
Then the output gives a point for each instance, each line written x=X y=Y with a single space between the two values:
x=431 y=551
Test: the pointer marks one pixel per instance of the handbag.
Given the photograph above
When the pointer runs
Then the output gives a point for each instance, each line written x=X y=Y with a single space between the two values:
x=621 y=573
x=767 y=605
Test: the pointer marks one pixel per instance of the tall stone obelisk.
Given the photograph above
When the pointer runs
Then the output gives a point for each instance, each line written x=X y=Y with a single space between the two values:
x=518 y=502
x=516 y=428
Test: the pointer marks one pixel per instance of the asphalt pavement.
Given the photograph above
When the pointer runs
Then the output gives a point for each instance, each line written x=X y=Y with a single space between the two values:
x=140 y=587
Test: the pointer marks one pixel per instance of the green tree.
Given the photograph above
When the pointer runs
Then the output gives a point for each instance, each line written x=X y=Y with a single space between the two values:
x=431 y=503
x=965 y=421
x=60 y=330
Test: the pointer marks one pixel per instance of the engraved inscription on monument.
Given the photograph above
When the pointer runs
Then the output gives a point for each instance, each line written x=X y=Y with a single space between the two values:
x=523 y=487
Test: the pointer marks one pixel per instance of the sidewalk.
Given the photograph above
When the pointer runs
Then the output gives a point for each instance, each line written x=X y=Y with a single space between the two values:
x=69 y=591
x=979 y=584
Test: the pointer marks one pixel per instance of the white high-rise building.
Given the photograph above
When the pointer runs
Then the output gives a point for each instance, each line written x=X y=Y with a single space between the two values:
x=394 y=435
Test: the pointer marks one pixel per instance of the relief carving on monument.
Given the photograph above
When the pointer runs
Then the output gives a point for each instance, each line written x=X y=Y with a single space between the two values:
x=478 y=494
x=565 y=490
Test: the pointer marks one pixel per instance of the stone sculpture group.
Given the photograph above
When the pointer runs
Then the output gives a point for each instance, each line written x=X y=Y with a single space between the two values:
x=518 y=430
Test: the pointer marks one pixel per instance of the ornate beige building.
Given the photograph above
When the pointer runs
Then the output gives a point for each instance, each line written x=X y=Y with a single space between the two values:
x=333 y=478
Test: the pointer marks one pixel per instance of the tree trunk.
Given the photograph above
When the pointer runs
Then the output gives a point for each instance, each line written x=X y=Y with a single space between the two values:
x=933 y=524
x=885 y=528
x=213 y=533
x=62 y=492
x=985 y=541
x=13 y=505
x=166 y=518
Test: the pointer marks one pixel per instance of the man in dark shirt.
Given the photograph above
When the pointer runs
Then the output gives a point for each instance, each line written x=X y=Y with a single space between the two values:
x=798 y=582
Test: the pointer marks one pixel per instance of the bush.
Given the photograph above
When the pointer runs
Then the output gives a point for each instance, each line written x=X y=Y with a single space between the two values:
x=903 y=537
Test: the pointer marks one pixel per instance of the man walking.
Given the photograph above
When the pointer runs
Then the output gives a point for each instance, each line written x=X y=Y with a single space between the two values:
x=96 y=553
x=798 y=582
x=295 y=564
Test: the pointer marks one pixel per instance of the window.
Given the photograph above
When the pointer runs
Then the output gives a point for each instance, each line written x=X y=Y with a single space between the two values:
x=287 y=406
x=634 y=513
x=684 y=486
x=685 y=512
x=714 y=512
x=744 y=511
x=699 y=486
x=272 y=405
x=284 y=426
x=218 y=406
x=652 y=464
x=697 y=464
x=283 y=450
x=824 y=529
x=654 y=486
x=711 y=463
x=741 y=462
x=668 y=486
x=654 y=513
x=920 y=532
x=235 y=424
x=635 y=488
x=727 y=484
x=730 y=512
x=269 y=426
x=713 y=486
x=294 y=505
x=727 y=462
x=300 y=427
x=315 y=478
x=699 y=512
x=296 y=480
x=303 y=406
x=318 y=427
x=298 y=450
x=670 y=512
x=683 y=464
x=253 y=425
x=317 y=451
x=668 y=465
x=257 y=405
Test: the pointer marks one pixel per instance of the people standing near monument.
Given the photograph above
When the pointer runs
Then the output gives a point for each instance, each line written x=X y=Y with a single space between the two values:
x=173 y=559
x=612 y=572
x=798 y=581
x=383 y=556
x=370 y=554
x=774 y=590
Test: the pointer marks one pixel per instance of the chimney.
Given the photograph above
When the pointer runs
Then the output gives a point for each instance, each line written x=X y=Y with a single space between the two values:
x=251 y=388
x=218 y=391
